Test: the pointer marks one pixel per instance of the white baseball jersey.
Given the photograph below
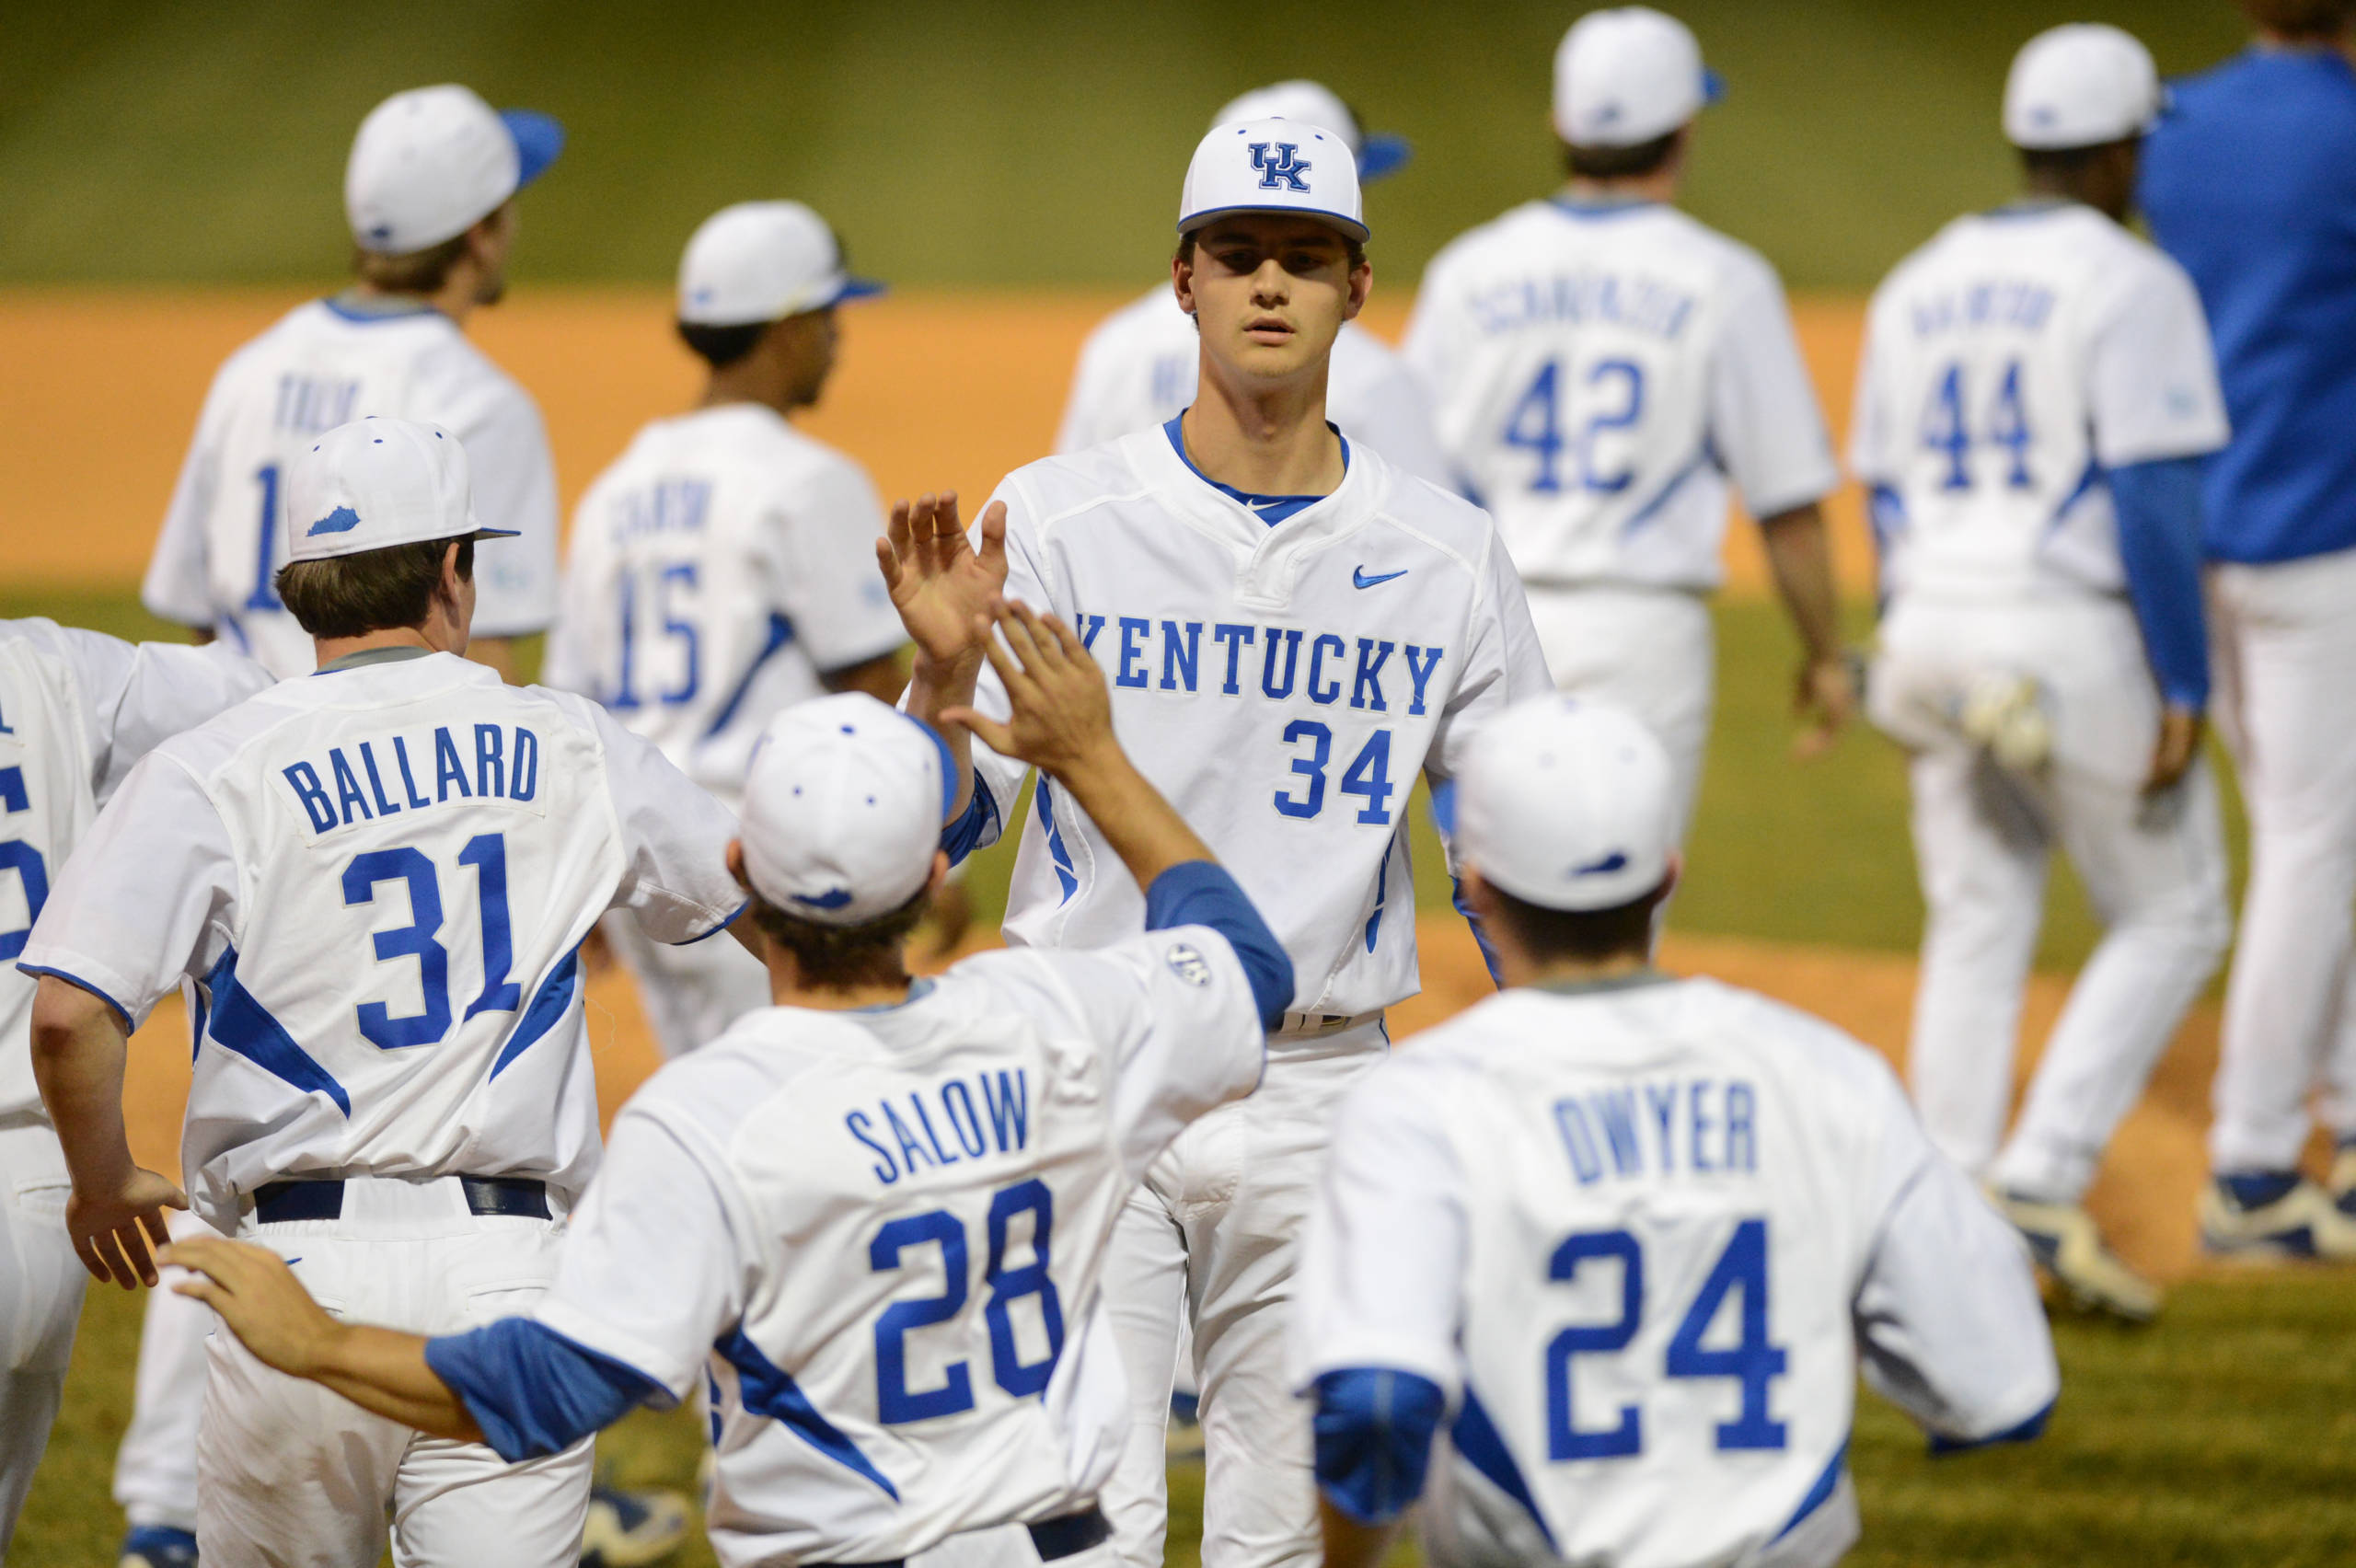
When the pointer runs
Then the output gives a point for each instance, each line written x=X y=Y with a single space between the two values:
x=718 y=568
x=1138 y=366
x=882 y=1232
x=326 y=363
x=2008 y=364
x=1282 y=686
x=1599 y=371
x=1641 y=1234
x=78 y=708
x=378 y=877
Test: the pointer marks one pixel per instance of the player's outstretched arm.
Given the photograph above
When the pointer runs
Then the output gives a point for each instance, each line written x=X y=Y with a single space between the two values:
x=1799 y=554
x=79 y=1044
x=381 y=1370
x=1062 y=724
x=943 y=589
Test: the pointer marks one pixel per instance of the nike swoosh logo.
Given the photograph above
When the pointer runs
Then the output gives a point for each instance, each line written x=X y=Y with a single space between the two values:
x=1359 y=579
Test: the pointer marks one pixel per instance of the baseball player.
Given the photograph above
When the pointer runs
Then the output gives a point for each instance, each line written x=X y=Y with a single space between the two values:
x=725 y=566
x=1602 y=366
x=875 y=1216
x=430 y=192
x=1294 y=628
x=2035 y=398
x=2248 y=184
x=377 y=878
x=1631 y=1238
x=76 y=710
x=1137 y=370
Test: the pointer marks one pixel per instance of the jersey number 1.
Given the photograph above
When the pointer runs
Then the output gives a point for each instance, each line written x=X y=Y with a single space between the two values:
x=1751 y=1361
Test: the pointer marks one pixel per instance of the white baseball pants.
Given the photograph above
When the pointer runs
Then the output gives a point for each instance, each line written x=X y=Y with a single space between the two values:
x=154 y=1465
x=691 y=993
x=1649 y=652
x=1213 y=1234
x=2155 y=868
x=293 y=1476
x=2283 y=642
x=40 y=1301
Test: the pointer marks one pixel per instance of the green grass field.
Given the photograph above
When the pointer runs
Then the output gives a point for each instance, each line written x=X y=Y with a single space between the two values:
x=967 y=143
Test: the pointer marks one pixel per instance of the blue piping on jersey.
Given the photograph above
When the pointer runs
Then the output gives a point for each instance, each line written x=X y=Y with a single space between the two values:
x=1651 y=509
x=1064 y=874
x=241 y=1024
x=706 y=936
x=780 y=635
x=2085 y=486
x=1382 y=891
x=1822 y=1492
x=767 y=1390
x=1269 y=509
x=76 y=981
x=1477 y=1441
x=1574 y=207
x=340 y=306
x=2026 y=1431
x=549 y=1005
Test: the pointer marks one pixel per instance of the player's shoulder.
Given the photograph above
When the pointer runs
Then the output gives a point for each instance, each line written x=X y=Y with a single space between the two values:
x=1741 y=267
x=1433 y=513
x=1510 y=237
x=1056 y=489
x=715 y=1093
x=1144 y=322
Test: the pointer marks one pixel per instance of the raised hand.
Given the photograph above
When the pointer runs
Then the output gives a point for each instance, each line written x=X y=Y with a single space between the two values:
x=1062 y=718
x=941 y=586
x=112 y=1231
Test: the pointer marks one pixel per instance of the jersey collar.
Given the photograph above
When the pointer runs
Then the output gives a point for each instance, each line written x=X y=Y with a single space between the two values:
x=363 y=310
x=1271 y=510
x=368 y=656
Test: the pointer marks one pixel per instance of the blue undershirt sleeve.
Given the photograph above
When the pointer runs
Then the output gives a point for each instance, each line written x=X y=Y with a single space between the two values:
x=1374 y=1429
x=2158 y=506
x=533 y=1391
x=961 y=838
x=1444 y=818
x=2026 y=1432
x=1201 y=893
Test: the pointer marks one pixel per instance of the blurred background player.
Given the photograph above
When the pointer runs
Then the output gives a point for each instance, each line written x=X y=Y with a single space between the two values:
x=1600 y=365
x=2036 y=396
x=772 y=1219
x=420 y=1158
x=723 y=568
x=76 y=710
x=1138 y=368
x=1632 y=1236
x=430 y=192
x=1296 y=628
x=2250 y=183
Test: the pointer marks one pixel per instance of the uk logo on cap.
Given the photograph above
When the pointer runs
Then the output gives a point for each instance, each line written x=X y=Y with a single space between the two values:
x=1285 y=167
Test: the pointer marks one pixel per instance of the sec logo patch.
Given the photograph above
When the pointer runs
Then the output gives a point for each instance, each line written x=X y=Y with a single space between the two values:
x=1187 y=963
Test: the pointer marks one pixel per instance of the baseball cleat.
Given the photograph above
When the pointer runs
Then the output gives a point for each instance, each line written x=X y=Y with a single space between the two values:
x=2006 y=715
x=2343 y=1177
x=158 y=1546
x=2069 y=1247
x=629 y=1529
x=2274 y=1214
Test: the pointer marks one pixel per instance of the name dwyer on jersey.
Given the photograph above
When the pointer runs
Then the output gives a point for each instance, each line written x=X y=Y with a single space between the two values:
x=998 y=1122
x=505 y=765
x=1331 y=666
x=1638 y=1131
x=1639 y=304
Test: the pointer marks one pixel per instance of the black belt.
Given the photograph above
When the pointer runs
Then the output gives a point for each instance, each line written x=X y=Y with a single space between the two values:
x=276 y=1203
x=1053 y=1538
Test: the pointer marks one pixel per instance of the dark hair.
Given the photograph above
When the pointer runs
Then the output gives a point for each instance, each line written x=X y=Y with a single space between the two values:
x=415 y=271
x=2319 y=21
x=842 y=958
x=373 y=590
x=1620 y=163
x=1354 y=249
x=719 y=347
x=1588 y=935
x=2065 y=164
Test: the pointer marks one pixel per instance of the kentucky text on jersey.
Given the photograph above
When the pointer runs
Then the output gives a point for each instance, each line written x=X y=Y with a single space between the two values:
x=1641 y=1129
x=1994 y=304
x=1167 y=655
x=400 y=776
x=991 y=1116
x=1639 y=304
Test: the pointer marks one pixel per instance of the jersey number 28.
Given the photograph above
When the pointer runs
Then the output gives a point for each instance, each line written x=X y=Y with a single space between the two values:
x=895 y=1403
x=1751 y=1361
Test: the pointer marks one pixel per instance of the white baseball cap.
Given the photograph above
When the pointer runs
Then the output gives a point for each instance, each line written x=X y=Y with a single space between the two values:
x=762 y=261
x=1272 y=166
x=1567 y=805
x=376 y=482
x=2080 y=85
x=843 y=807
x=1379 y=154
x=430 y=162
x=1626 y=75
